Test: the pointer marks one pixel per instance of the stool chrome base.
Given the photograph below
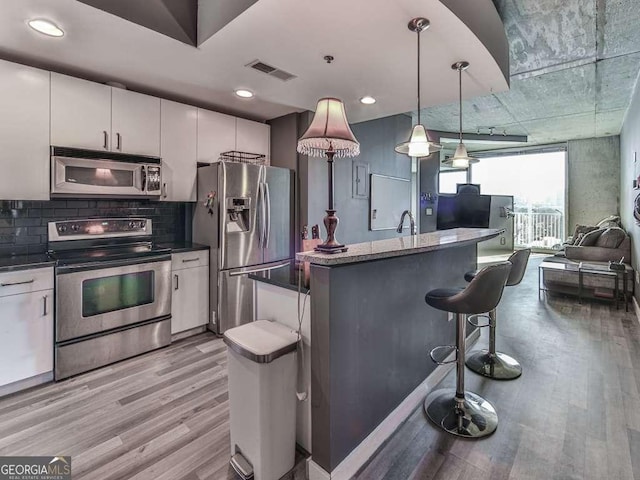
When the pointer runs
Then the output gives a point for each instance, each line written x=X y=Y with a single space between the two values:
x=473 y=418
x=497 y=366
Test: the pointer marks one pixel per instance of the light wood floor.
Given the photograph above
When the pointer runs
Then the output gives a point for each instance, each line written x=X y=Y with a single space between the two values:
x=574 y=413
x=160 y=416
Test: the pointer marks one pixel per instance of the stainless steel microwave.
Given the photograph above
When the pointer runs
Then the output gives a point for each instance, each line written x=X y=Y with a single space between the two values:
x=86 y=173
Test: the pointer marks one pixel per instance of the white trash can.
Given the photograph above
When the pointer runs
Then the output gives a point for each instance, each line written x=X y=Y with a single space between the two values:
x=262 y=398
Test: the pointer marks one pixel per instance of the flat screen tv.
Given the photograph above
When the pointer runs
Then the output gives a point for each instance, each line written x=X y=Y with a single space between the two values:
x=463 y=211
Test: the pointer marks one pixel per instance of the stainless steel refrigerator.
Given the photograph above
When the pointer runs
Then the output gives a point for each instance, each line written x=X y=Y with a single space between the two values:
x=244 y=214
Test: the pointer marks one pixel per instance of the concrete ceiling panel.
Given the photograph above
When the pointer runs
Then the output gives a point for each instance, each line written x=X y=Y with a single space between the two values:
x=615 y=81
x=485 y=111
x=549 y=130
x=573 y=71
x=618 y=32
x=548 y=32
x=609 y=122
x=558 y=93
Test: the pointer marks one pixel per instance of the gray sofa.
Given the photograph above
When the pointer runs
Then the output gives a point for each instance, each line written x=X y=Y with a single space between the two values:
x=597 y=253
x=598 y=246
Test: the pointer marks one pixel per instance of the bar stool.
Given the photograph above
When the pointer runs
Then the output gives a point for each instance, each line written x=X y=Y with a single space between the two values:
x=462 y=413
x=490 y=363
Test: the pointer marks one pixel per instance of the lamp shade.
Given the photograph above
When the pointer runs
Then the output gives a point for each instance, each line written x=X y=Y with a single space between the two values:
x=329 y=131
x=461 y=158
x=419 y=144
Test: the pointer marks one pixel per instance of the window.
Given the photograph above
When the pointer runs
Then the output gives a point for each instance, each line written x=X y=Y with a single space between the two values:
x=537 y=183
x=449 y=179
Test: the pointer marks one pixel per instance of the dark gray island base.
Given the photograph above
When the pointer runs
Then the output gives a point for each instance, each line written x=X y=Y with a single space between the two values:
x=371 y=330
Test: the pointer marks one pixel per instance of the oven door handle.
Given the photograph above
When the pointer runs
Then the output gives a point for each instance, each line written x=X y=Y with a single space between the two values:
x=82 y=267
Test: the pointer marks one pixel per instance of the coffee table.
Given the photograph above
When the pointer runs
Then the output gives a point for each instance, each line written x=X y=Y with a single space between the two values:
x=601 y=270
x=585 y=269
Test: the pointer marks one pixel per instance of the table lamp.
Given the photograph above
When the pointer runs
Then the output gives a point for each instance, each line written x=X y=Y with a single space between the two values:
x=329 y=135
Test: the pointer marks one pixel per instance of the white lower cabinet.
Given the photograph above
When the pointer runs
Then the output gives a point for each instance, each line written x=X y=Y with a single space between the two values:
x=26 y=325
x=190 y=298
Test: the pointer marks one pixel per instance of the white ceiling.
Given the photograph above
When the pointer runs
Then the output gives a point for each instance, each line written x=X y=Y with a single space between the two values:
x=375 y=54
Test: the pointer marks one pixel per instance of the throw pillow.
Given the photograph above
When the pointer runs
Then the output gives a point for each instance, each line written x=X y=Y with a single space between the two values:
x=611 y=238
x=590 y=239
x=580 y=231
x=610 y=221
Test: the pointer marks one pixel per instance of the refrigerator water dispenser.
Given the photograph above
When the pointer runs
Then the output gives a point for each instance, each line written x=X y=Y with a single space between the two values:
x=238 y=214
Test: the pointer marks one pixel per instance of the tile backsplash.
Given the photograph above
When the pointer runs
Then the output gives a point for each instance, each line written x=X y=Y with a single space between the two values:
x=23 y=224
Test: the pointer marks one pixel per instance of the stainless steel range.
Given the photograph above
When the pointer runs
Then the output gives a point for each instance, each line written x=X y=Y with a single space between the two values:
x=113 y=292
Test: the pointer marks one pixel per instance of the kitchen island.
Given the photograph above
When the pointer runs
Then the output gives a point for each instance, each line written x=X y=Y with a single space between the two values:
x=371 y=333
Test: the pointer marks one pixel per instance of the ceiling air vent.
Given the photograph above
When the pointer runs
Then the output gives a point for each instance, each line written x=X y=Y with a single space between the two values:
x=269 y=70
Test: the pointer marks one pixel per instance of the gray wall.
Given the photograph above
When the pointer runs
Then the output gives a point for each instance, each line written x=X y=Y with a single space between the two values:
x=429 y=169
x=593 y=179
x=377 y=141
x=284 y=138
x=630 y=169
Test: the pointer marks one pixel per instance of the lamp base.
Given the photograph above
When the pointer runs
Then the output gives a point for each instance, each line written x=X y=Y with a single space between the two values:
x=331 y=245
x=331 y=248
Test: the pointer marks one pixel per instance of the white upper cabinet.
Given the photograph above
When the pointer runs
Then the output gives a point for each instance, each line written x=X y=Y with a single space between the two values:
x=216 y=134
x=98 y=117
x=179 y=131
x=24 y=132
x=253 y=137
x=80 y=113
x=135 y=123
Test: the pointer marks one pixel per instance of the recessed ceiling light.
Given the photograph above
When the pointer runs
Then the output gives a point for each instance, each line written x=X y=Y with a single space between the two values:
x=46 y=27
x=241 y=92
x=368 y=100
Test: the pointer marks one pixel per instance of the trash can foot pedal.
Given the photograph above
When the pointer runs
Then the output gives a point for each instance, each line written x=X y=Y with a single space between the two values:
x=242 y=467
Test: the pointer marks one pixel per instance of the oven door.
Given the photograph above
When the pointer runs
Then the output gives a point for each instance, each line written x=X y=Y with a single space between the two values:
x=81 y=176
x=97 y=297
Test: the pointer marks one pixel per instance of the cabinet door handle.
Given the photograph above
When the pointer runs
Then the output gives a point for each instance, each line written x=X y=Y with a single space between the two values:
x=187 y=260
x=106 y=139
x=44 y=310
x=164 y=190
x=177 y=282
x=17 y=283
x=118 y=142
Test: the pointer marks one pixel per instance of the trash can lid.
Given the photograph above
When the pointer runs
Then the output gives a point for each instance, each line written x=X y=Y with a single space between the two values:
x=261 y=341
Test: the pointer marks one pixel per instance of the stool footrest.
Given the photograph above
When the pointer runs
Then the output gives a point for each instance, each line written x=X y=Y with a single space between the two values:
x=451 y=348
x=472 y=320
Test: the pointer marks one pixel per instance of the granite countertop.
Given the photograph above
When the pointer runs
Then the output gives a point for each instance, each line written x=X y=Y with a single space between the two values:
x=24 y=262
x=397 y=247
x=181 y=247
x=281 y=277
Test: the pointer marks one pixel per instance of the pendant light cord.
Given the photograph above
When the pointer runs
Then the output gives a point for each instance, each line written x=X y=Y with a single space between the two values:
x=419 y=31
x=460 y=99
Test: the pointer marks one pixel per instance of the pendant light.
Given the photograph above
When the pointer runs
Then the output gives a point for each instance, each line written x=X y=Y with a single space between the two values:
x=419 y=144
x=461 y=158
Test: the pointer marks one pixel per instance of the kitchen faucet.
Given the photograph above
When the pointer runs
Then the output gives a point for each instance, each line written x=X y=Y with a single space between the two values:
x=411 y=221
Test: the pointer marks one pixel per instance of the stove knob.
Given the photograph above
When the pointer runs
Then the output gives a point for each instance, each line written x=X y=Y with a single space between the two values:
x=132 y=225
x=62 y=228
x=75 y=227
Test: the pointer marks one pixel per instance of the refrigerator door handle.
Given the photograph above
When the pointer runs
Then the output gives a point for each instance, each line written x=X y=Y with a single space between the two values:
x=268 y=217
x=260 y=215
x=246 y=271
